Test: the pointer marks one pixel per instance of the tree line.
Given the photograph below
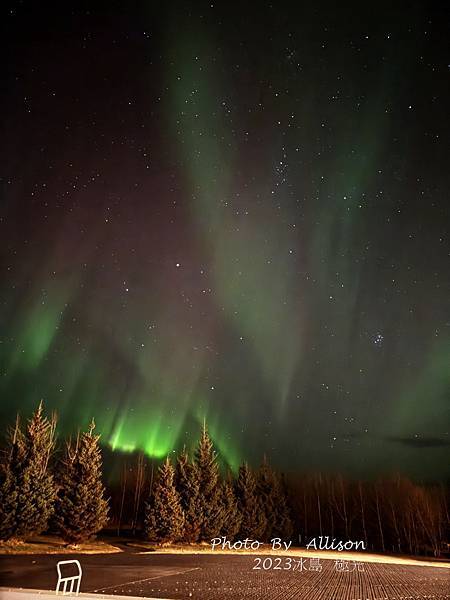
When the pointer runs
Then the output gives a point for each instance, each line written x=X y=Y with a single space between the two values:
x=34 y=494
x=390 y=514
x=191 y=500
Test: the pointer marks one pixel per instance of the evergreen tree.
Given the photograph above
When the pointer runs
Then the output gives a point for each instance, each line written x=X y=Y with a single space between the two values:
x=10 y=470
x=164 y=516
x=187 y=485
x=283 y=526
x=266 y=486
x=253 y=523
x=210 y=506
x=273 y=501
x=232 y=517
x=28 y=490
x=81 y=509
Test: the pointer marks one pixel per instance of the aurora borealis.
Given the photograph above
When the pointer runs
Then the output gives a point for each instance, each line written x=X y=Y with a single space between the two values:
x=212 y=211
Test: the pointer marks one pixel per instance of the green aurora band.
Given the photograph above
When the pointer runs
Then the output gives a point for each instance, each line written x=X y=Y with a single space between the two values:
x=286 y=320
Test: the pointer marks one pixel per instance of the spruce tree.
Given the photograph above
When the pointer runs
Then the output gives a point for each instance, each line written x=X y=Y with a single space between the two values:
x=187 y=485
x=10 y=469
x=265 y=485
x=283 y=525
x=164 y=516
x=81 y=509
x=272 y=497
x=210 y=506
x=28 y=490
x=253 y=523
x=232 y=517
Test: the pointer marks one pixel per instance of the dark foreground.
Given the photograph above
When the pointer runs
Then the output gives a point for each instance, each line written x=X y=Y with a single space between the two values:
x=220 y=577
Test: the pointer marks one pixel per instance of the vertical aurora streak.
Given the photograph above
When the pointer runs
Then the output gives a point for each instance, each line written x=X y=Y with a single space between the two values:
x=210 y=213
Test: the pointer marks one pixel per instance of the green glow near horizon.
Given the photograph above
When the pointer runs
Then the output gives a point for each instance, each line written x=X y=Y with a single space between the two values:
x=219 y=289
x=149 y=439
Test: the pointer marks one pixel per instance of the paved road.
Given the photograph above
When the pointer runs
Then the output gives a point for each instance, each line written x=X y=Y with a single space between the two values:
x=222 y=577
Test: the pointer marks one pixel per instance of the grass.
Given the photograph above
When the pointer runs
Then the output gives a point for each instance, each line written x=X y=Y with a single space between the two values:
x=50 y=544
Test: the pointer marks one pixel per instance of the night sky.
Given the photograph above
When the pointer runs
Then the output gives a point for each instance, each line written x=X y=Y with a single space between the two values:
x=233 y=211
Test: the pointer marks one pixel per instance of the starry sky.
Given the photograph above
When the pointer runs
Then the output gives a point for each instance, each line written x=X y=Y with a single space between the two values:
x=235 y=212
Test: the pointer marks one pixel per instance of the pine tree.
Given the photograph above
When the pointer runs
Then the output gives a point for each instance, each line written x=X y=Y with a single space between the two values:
x=273 y=501
x=210 y=506
x=253 y=523
x=81 y=509
x=28 y=490
x=187 y=485
x=164 y=516
x=232 y=517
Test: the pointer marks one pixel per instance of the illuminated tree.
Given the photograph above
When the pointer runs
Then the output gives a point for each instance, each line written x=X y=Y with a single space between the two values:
x=283 y=526
x=272 y=497
x=254 y=522
x=81 y=509
x=232 y=517
x=164 y=516
x=210 y=506
x=11 y=466
x=28 y=490
x=187 y=485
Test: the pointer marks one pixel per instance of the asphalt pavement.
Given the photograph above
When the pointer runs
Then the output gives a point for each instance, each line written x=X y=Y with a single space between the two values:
x=231 y=577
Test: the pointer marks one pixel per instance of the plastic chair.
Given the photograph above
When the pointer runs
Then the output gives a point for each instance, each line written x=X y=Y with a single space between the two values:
x=73 y=579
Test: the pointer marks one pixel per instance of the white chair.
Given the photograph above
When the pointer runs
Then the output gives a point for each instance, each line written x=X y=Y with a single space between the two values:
x=72 y=579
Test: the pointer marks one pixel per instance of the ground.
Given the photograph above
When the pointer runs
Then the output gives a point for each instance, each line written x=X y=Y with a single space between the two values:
x=233 y=577
x=50 y=544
